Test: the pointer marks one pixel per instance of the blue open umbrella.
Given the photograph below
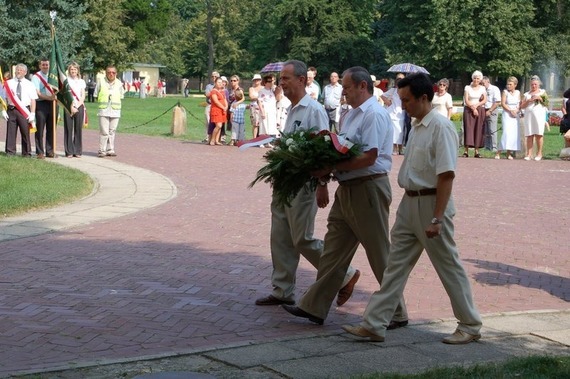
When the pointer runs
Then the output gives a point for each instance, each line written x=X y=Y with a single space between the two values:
x=407 y=68
x=273 y=67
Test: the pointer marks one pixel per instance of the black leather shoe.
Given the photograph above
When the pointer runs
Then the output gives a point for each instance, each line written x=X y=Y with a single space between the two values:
x=296 y=311
x=272 y=300
x=397 y=324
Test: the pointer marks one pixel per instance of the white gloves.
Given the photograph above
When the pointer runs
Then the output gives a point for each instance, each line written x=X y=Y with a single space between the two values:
x=5 y=115
x=32 y=118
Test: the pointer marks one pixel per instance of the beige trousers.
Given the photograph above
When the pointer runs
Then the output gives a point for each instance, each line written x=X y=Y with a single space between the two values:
x=408 y=242
x=292 y=231
x=359 y=215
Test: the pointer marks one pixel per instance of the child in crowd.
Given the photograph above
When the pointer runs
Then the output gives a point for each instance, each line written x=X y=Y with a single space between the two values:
x=238 y=118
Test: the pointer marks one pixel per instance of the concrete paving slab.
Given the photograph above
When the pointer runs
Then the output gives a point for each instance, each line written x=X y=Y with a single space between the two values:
x=560 y=336
x=255 y=355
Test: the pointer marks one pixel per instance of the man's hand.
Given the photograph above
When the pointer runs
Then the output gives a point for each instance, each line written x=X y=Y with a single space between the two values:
x=5 y=115
x=322 y=196
x=433 y=230
x=32 y=118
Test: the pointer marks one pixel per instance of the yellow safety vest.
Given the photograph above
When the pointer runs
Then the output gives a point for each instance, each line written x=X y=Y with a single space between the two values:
x=107 y=96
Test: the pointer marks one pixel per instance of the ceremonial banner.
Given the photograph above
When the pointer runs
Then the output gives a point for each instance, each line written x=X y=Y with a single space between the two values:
x=57 y=78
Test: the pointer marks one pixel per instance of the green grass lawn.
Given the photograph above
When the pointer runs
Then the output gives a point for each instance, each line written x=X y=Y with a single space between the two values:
x=527 y=368
x=29 y=184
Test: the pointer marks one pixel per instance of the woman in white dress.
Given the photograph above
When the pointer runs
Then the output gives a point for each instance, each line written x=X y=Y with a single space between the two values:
x=268 y=108
x=534 y=104
x=510 y=101
x=442 y=100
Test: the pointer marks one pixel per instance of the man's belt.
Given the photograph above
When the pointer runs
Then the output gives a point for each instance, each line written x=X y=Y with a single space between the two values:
x=422 y=192
x=362 y=179
x=11 y=107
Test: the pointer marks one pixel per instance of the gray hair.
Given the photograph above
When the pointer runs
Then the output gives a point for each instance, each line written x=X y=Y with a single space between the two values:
x=535 y=78
x=299 y=68
x=21 y=65
x=443 y=81
x=477 y=74
x=359 y=74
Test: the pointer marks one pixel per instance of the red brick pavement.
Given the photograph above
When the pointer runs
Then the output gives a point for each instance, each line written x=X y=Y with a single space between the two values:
x=184 y=276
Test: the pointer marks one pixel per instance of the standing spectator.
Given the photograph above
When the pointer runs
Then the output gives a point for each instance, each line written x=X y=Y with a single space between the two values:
x=163 y=88
x=227 y=122
x=186 y=87
x=255 y=113
x=217 y=111
x=44 y=111
x=268 y=108
x=73 y=123
x=534 y=107
x=237 y=111
x=565 y=122
x=159 y=88
x=312 y=87
x=283 y=104
x=91 y=90
x=21 y=97
x=474 y=98
x=109 y=93
x=209 y=127
x=332 y=95
x=510 y=101
x=359 y=214
x=377 y=91
x=292 y=226
x=315 y=82
x=424 y=220
x=442 y=100
x=394 y=107
x=233 y=102
x=491 y=114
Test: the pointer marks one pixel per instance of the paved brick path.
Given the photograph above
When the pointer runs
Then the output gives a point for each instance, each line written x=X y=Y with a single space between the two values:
x=183 y=276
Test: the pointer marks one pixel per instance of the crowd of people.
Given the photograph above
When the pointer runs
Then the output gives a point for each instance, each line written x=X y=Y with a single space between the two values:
x=523 y=116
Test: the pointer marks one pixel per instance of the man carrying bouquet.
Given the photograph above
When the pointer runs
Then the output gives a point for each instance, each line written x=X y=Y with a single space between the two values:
x=360 y=211
x=292 y=226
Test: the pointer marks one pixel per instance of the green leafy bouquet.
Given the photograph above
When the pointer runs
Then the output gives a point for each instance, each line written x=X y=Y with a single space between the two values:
x=296 y=155
x=544 y=98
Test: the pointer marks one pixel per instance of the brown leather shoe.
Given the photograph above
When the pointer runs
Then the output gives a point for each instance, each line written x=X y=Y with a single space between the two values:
x=346 y=292
x=359 y=331
x=272 y=300
x=296 y=311
x=41 y=156
x=459 y=337
x=397 y=324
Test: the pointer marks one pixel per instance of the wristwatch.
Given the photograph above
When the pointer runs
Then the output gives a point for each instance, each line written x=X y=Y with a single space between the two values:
x=435 y=221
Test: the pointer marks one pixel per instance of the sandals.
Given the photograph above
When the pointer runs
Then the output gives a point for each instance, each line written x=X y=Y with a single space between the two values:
x=465 y=155
x=477 y=155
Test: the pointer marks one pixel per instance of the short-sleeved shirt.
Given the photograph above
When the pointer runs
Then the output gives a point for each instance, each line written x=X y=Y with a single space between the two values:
x=332 y=95
x=493 y=96
x=239 y=113
x=306 y=114
x=78 y=86
x=370 y=126
x=39 y=84
x=442 y=103
x=431 y=150
x=28 y=91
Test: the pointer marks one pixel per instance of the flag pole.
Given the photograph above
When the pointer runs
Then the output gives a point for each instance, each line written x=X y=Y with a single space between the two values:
x=53 y=14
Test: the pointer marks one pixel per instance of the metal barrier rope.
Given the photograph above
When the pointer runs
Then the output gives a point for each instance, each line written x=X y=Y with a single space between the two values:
x=162 y=114
x=156 y=118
